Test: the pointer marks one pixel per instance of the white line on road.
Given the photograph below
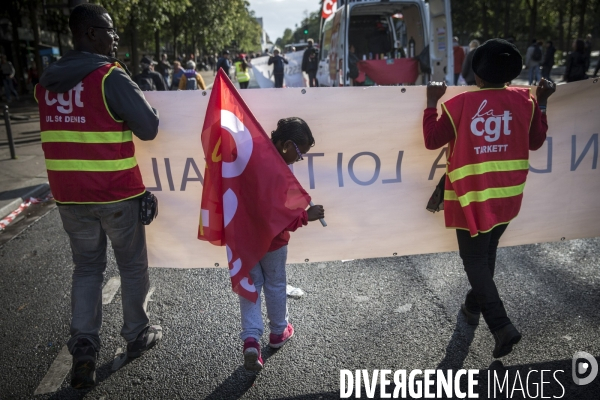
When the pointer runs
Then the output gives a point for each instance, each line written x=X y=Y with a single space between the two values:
x=110 y=289
x=148 y=298
x=56 y=374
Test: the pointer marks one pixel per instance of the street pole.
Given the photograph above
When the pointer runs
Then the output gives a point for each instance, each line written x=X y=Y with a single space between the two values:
x=11 y=143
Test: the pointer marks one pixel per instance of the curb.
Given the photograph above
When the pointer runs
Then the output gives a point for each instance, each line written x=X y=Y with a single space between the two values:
x=13 y=205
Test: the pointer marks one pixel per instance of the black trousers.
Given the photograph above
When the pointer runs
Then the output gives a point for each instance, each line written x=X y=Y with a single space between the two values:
x=278 y=80
x=479 y=259
x=312 y=79
x=244 y=85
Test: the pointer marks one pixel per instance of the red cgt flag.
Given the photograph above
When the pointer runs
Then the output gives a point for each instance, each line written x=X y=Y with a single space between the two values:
x=249 y=194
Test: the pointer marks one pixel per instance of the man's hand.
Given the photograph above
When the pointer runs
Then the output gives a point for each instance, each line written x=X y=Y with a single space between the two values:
x=544 y=90
x=435 y=91
x=315 y=212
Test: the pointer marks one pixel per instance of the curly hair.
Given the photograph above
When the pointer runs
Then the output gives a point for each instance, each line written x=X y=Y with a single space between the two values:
x=294 y=129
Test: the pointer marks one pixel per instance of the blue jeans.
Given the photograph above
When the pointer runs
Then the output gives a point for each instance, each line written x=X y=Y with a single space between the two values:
x=88 y=226
x=9 y=88
x=268 y=274
x=534 y=74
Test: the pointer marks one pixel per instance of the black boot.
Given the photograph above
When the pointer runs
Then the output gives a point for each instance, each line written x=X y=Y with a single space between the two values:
x=505 y=338
x=83 y=372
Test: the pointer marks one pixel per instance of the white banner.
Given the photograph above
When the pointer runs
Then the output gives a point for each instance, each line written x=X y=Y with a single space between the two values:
x=371 y=171
x=293 y=76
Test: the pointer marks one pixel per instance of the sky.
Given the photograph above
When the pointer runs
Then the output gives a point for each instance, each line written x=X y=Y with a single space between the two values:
x=281 y=14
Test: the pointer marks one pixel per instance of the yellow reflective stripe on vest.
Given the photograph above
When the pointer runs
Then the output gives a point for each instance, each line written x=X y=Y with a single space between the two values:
x=91 y=165
x=483 y=195
x=86 y=137
x=489 y=166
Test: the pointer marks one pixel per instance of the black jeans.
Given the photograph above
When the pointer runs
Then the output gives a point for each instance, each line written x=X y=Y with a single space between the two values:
x=278 y=80
x=312 y=79
x=479 y=259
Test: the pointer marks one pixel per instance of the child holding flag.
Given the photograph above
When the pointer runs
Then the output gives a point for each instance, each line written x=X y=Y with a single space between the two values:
x=291 y=138
x=251 y=200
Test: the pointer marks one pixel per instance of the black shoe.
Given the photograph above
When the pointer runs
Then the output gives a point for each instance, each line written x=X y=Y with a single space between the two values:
x=505 y=339
x=145 y=341
x=472 y=318
x=83 y=371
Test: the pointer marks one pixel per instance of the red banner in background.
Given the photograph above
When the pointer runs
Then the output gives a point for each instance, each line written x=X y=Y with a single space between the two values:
x=249 y=194
x=391 y=71
x=329 y=7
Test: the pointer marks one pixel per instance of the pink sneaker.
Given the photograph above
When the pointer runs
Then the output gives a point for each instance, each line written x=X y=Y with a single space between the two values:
x=276 y=341
x=252 y=359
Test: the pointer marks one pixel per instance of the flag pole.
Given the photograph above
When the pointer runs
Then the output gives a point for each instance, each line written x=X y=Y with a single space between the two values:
x=322 y=220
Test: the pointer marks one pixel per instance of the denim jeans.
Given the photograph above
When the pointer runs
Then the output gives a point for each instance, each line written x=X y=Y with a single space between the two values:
x=88 y=226
x=534 y=74
x=479 y=259
x=268 y=274
x=9 y=88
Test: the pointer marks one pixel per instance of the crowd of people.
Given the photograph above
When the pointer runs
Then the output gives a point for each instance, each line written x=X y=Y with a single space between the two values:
x=539 y=60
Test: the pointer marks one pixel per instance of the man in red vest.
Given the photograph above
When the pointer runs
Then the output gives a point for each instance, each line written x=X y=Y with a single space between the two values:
x=490 y=132
x=89 y=108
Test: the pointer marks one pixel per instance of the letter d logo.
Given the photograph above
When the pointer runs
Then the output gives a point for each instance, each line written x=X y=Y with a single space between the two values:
x=583 y=367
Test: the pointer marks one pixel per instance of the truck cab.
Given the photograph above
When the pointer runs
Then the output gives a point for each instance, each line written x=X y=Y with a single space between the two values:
x=393 y=42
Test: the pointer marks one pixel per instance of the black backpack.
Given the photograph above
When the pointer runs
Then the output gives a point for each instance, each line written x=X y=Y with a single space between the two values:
x=537 y=53
x=146 y=83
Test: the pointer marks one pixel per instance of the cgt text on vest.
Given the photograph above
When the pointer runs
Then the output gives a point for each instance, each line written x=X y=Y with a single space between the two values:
x=490 y=124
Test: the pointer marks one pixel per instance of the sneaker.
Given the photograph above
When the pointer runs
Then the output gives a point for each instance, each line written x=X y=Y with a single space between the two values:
x=276 y=341
x=83 y=370
x=505 y=338
x=252 y=359
x=145 y=341
x=472 y=318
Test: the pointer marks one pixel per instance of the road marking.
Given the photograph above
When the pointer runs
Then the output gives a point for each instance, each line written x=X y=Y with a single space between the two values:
x=110 y=289
x=148 y=299
x=56 y=374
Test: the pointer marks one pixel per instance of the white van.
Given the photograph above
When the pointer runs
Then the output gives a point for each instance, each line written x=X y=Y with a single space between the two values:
x=389 y=35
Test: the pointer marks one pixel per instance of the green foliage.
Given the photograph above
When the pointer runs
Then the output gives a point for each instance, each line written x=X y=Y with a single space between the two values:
x=525 y=20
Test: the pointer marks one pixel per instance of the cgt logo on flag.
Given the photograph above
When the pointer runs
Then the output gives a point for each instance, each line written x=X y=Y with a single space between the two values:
x=249 y=194
x=329 y=7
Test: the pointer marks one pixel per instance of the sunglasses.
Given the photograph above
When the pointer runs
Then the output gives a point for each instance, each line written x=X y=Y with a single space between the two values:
x=110 y=31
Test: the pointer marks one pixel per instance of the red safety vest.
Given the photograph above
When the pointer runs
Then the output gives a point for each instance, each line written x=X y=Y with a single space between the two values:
x=489 y=159
x=90 y=156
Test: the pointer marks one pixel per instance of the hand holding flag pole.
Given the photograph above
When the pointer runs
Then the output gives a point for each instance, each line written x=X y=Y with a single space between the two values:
x=322 y=220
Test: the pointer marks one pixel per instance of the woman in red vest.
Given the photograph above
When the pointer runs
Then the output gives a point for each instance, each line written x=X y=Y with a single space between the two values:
x=489 y=133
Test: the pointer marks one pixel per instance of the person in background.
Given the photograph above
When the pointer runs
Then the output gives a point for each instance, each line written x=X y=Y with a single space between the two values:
x=278 y=69
x=97 y=183
x=292 y=138
x=533 y=58
x=149 y=80
x=33 y=76
x=306 y=54
x=484 y=190
x=164 y=68
x=177 y=74
x=575 y=65
x=312 y=66
x=224 y=63
x=548 y=61
x=459 y=59
x=467 y=70
x=8 y=73
x=191 y=80
x=242 y=73
x=588 y=51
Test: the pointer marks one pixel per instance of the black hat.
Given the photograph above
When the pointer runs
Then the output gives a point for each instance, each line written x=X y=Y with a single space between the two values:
x=146 y=60
x=497 y=61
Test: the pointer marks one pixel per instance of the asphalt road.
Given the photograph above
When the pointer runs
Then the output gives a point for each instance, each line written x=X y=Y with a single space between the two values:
x=396 y=313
